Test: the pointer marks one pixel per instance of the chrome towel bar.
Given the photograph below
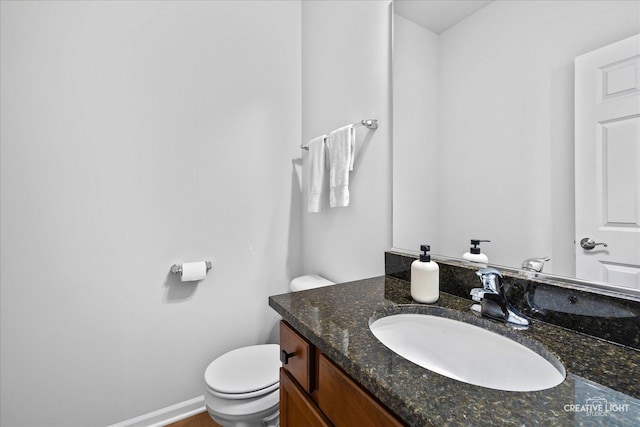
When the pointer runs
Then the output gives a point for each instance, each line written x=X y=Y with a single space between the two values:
x=368 y=123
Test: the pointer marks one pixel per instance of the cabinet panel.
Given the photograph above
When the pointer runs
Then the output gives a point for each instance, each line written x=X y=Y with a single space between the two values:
x=345 y=403
x=299 y=357
x=296 y=409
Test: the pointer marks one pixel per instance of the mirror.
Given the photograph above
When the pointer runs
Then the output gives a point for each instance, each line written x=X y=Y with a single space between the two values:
x=483 y=132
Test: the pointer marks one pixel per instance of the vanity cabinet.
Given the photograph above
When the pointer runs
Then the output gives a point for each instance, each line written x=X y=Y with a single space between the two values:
x=316 y=392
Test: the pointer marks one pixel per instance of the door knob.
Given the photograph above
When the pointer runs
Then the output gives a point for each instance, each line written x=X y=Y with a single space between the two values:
x=588 y=243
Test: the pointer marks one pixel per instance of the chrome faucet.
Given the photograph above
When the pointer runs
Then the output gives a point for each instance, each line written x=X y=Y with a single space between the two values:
x=493 y=301
x=534 y=264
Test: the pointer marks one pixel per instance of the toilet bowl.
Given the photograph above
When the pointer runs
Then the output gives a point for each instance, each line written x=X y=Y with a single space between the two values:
x=242 y=387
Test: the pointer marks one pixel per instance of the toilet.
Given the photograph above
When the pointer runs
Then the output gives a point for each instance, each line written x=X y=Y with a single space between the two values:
x=242 y=387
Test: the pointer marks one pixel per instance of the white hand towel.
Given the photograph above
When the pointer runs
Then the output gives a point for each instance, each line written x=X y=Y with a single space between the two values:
x=317 y=166
x=341 y=147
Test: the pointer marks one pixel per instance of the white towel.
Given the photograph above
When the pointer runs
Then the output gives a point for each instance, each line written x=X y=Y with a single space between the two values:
x=317 y=166
x=341 y=146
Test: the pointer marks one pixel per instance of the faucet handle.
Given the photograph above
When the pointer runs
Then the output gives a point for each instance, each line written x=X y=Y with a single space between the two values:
x=489 y=270
x=491 y=279
x=534 y=264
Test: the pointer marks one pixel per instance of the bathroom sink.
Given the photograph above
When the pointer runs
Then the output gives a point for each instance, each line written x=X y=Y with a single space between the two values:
x=468 y=353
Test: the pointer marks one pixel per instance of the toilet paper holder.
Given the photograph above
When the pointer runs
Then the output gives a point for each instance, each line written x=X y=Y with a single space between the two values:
x=177 y=268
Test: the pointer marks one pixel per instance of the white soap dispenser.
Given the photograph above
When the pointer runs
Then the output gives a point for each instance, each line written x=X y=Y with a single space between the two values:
x=425 y=278
x=474 y=255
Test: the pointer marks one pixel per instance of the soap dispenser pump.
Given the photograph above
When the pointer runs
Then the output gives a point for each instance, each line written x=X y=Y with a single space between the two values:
x=474 y=255
x=425 y=278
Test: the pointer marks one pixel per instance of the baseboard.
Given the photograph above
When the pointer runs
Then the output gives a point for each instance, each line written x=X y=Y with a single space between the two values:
x=167 y=415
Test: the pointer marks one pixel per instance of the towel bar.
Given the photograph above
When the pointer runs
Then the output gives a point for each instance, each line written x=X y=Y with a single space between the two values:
x=368 y=123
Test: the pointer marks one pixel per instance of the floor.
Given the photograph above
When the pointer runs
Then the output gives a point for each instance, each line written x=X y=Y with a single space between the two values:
x=200 y=420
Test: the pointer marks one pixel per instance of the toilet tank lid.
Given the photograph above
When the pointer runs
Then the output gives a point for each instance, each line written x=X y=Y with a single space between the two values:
x=310 y=281
x=245 y=369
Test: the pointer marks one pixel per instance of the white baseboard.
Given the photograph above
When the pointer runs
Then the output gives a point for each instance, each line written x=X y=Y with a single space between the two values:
x=167 y=415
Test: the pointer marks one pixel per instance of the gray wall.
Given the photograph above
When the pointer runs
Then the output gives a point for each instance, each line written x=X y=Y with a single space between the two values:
x=136 y=135
x=346 y=78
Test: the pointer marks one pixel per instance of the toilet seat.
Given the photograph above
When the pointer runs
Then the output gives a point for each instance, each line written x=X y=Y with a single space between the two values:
x=245 y=372
x=235 y=396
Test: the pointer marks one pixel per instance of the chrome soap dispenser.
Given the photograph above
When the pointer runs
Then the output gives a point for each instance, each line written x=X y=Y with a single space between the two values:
x=425 y=278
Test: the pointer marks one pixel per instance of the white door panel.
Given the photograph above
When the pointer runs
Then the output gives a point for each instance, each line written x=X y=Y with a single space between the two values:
x=607 y=154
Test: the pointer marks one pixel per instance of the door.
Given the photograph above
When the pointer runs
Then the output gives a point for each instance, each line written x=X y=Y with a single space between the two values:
x=296 y=407
x=607 y=164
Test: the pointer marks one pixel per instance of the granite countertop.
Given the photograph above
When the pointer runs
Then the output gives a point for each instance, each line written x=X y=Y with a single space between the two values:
x=336 y=320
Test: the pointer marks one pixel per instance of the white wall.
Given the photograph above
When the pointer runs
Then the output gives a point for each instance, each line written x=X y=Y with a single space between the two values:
x=136 y=135
x=416 y=125
x=506 y=135
x=346 y=78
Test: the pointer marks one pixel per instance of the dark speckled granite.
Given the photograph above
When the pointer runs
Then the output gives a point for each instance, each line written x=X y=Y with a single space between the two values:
x=336 y=320
x=599 y=313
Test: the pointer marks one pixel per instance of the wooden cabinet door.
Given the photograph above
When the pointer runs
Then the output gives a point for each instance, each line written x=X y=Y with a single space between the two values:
x=296 y=408
x=345 y=403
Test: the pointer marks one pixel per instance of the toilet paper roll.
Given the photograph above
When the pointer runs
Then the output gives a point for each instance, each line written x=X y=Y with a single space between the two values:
x=192 y=271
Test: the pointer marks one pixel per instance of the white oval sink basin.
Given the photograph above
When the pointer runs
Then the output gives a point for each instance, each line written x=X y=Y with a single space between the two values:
x=467 y=353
